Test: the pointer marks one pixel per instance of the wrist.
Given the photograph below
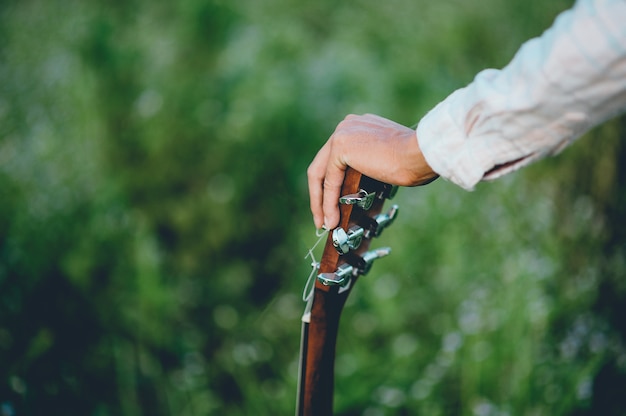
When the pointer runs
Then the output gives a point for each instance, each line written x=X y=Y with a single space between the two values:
x=419 y=170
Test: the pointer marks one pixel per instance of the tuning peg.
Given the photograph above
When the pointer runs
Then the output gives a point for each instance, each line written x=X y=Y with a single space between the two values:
x=389 y=191
x=362 y=199
x=343 y=240
x=358 y=265
x=382 y=221
x=341 y=277
x=363 y=263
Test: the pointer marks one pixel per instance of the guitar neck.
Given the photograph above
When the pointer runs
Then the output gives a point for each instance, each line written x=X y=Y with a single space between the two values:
x=317 y=355
x=321 y=321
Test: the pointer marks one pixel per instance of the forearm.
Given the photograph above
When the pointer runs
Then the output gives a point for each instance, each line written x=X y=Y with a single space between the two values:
x=556 y=88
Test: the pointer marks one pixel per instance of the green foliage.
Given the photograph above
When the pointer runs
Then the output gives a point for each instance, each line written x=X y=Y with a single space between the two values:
x=154 y=217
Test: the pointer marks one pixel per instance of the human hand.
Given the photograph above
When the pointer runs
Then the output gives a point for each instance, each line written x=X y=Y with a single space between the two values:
x=375 y=146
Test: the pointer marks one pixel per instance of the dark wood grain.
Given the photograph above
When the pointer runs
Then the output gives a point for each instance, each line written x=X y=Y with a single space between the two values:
x=319 y=337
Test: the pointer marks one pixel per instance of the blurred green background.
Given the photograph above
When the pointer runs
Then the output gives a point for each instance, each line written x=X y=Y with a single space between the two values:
x=154 y=217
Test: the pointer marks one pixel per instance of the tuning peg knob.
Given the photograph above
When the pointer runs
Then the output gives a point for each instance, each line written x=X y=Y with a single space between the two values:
x=363 y=263
x=362 y=199
x=358 y=265
x=382 y=221
x=341 y=277
x=343 y=240
x=389 y=191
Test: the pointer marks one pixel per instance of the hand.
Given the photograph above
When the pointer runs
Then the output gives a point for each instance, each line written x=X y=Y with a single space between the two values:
x=373 y=145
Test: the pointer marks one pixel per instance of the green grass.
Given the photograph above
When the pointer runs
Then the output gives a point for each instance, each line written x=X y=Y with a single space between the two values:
x=154 y=217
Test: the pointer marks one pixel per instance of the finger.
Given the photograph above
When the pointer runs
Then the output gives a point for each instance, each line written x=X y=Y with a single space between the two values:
x=335 y=174
x=315 y=175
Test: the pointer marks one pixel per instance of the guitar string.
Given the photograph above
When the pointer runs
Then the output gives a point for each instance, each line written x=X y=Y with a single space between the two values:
x=309 y=286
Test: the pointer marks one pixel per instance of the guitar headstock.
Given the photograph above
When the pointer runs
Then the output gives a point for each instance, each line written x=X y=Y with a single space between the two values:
x=346 y=254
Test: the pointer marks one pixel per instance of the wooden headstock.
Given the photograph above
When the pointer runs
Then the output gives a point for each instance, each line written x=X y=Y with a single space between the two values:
x=346 y=256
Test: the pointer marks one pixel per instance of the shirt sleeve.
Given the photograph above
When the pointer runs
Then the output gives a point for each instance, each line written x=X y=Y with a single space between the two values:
x=557 y=87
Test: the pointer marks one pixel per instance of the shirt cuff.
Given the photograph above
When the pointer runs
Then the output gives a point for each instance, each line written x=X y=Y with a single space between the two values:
x=445 y=147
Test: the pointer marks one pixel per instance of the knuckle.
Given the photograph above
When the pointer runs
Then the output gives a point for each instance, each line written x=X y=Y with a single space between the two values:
x=313 y=172
x=331 y=184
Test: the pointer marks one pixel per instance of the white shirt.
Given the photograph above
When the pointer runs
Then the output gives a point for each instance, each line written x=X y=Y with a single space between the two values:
x=556 y=88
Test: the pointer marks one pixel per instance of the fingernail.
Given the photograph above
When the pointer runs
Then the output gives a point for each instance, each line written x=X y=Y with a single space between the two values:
x=325 y=222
